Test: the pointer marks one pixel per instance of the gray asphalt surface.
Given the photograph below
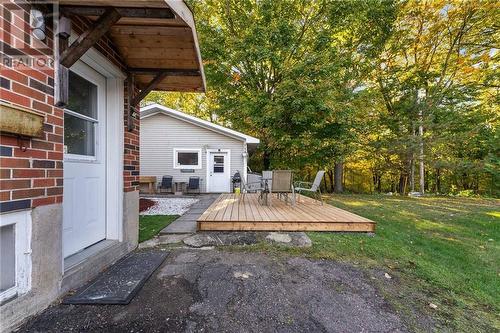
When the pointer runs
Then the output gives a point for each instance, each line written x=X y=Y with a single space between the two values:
x=217 y=291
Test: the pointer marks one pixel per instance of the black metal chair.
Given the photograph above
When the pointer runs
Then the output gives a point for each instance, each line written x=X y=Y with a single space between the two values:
x=166 y=183
x=194 y=184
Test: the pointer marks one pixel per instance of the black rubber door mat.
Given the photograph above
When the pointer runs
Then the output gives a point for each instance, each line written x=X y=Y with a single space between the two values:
x=122 y=281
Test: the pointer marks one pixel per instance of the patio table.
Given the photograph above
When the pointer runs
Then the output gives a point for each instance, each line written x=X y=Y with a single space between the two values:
x=179 y=187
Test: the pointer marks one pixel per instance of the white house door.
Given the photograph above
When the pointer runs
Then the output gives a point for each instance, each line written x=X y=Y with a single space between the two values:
x=84 y=199
x=219 y=178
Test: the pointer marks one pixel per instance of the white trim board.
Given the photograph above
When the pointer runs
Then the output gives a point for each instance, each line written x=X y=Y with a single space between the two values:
x=114 y=140
x=187 y=150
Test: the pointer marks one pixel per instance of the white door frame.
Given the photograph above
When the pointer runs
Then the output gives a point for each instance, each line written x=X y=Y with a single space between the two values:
x=209 y=151
x=114 y=140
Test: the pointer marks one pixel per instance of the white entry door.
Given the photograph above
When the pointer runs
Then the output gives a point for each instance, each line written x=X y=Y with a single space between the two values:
x=219 y=178
x=84 y=202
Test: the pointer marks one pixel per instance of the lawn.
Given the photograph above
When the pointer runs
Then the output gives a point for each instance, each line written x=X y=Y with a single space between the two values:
x=151 y=225
x=443 y=251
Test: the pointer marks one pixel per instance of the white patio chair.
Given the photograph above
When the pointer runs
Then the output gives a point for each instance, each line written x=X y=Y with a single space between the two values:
x=311 y=187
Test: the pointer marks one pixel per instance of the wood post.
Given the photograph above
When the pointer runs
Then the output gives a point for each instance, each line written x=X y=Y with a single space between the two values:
x=61 y=73
x=130 y=97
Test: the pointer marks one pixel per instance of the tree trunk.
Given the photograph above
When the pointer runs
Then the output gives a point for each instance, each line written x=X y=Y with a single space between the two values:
x=401 y=184
x=337 y=176
x=267 y=160
x=330 y=176
x=421 y=137
x=438 y=180
x=421 y=157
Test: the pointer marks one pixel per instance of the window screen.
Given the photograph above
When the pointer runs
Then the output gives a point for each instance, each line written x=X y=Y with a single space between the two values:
x=218 y=164
x=187 y=158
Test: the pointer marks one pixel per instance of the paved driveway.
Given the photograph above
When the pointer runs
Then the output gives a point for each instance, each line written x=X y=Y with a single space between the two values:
x=216 y=291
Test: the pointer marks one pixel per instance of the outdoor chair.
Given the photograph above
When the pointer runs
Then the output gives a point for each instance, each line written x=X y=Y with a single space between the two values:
x=313 y=187
x=193 y=185
x=166 y=183
x=282 y=185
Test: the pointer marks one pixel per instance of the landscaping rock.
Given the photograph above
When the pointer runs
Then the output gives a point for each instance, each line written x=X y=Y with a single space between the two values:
x=149 y=243
x=169 y=206
x=294 y=239
x=172 y=238
x=279 y=237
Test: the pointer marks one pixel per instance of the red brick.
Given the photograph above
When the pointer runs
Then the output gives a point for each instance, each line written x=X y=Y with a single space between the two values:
x=55 y=120
x=13 y=75
x=9 y=141
x=4 y=195
x=55 y=138
x=59 y=199
x=30 y=153
x=42 y=145
x=28 y=173
x=54 y=173
x=14 y=98
x=28 y=193
x=42 y=107
x=11 y=184
x=4 y=173
x=43 y=182
x=14 y=163
x=55 y=156
x=27 y=91
x=58 y=130
x=58 y=147
x=55 y=191
x=43 y=201
x=58 y=113
x=40 y=76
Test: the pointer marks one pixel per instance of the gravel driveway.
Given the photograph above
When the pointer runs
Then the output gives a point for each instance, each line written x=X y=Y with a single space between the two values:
x=217 y=291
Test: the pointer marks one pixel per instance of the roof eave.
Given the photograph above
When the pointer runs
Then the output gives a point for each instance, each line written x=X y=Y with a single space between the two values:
x=154 y=109
x=184 y=13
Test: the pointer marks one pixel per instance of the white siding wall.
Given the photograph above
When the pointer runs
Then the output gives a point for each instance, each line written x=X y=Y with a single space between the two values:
x=160 y=134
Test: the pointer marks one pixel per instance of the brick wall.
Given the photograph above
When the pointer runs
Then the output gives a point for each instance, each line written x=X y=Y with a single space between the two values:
x=131 y=153
x=33 y=175
x=31 y=170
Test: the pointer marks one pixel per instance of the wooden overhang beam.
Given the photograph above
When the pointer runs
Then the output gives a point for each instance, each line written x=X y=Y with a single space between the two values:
x=133 y=101
x=154 y=13
x=169 y=71
x=88 y=39
x=151 y=86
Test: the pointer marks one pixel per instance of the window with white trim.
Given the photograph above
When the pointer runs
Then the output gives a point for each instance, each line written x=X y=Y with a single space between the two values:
x=80 y=117
x=15 y=254
x=186 y=158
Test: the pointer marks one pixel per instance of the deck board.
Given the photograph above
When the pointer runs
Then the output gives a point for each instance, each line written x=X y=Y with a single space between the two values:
x=237 y=212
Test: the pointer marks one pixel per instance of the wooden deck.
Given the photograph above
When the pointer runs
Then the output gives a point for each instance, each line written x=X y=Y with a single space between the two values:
x=230 y=213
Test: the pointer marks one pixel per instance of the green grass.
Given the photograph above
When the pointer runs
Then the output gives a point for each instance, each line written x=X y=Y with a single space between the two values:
x=151 y=225
x=442 y=250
